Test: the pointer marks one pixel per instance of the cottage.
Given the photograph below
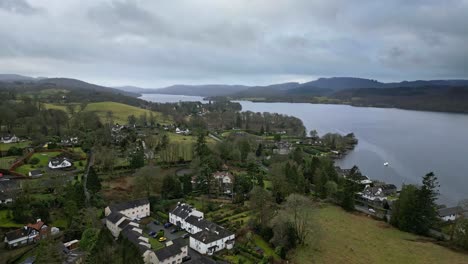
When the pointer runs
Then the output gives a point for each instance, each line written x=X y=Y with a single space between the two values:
x=224 y=181
x=450 y=213
x=206 y=237
x=135 y=209
x=35 y=173
x=174 y=252
x=60 y=163
x=9 y=139
x=30 y=233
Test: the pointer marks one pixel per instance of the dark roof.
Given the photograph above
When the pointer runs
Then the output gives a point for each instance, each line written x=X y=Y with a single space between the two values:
x=182 y=210
x=35 y=172
x=58 y=160
x=9 y=185
x=124 y=223
x=18 y=233
x=133 y=236
x=169 y=251
x=114 y=217
x=129 y=204
x=449 y=211
x=386 y=187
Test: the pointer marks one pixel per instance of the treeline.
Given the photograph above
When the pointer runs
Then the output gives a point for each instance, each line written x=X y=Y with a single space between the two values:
x=430 y=98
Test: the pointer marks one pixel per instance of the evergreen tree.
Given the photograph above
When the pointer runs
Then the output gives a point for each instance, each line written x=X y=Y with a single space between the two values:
x=48 y=252
x=93 y=183
x=259 y=150
x=347 y=201
x=137 y=159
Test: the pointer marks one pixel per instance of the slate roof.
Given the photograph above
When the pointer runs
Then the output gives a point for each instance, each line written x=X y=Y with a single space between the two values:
x=133 y=236
x=58 y=160
x=449 y=211
x=35 y=173
x=208 y=236
x=124 y=223
x=169 y=251
x=114 y=217
x=18 y=233
x=182 y=210
x=129 y=204
x=9 y=185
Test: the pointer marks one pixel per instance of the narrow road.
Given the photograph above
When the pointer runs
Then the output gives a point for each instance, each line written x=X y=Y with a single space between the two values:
x=85 y=177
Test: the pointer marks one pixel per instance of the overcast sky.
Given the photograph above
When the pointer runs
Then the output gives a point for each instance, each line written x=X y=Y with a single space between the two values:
x=157 y=43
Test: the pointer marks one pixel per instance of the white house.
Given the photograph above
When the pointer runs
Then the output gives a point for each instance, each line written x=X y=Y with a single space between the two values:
x=182 y=131
x=206 y=237
x=450 y=213
x=211 y=238
x=135 y=209
x=224 y=180
x=26 y=235
x=178 y=216
x=60 y=163
x=9 y=139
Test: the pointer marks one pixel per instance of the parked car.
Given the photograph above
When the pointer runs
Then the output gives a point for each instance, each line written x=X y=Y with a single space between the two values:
x=167 y=225
x=162 y=239
x=152 y=233
x=187 y=235
x=156 y=222
x=174 y=230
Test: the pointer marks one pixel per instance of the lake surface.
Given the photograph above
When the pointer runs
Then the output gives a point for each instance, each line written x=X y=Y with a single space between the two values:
x=170 y=98
x=413 y=142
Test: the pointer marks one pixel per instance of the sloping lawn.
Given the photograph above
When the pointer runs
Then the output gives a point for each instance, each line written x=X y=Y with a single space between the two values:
x=6 y=147
x=120 y=112
x=352 y=238
x=5 y=162
x=43 y=162
x=6 y=222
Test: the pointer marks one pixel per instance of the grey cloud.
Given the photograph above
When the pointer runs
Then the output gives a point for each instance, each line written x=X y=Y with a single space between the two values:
x=151 y=43
x=18 y=6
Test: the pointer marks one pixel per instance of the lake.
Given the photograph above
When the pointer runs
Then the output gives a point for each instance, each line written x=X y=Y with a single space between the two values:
x=412 y=142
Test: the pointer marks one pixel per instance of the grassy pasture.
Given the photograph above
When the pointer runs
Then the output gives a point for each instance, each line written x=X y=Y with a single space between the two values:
x=354 y=238
x=120 y=112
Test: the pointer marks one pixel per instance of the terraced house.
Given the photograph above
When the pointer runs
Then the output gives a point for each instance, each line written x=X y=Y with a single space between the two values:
x=206 y=237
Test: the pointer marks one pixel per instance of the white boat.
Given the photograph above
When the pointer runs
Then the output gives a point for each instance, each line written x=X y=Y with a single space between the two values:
x=385 y=164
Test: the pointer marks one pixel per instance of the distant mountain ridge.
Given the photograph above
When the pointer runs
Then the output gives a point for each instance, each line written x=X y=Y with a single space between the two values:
x=67 y=83
x=319 y=87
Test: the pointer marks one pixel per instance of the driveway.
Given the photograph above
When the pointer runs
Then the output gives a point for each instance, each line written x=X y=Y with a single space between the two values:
x=167 y=231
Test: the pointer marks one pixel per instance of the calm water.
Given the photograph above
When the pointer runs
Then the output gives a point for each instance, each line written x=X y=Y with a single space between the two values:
x=169 y=98
x=413 y=142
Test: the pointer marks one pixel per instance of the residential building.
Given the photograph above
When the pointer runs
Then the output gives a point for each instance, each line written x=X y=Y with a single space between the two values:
x=60 y=163
x=9 y=139
x=206 y=237
x=450 y=213
x=224 y=181
x=35 y=173
x=178 y=216
x=135 y=209
x=8 y=190
x=28 y=234
x=120 y=221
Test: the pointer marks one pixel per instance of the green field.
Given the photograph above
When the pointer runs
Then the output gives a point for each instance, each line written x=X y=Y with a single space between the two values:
x=6 y=222
x=6 y=147
x=353 y=238
x=5 y=162
x=120 y=112
x=43 y=161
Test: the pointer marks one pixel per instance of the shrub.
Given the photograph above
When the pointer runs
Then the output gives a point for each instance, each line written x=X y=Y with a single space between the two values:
x=34 y=161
